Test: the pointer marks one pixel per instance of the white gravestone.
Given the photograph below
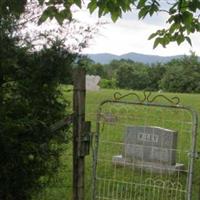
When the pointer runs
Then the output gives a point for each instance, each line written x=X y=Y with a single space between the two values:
x=153 y=148
x=92 y=83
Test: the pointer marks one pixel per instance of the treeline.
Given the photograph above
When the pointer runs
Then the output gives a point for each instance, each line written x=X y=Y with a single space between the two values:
x=178 y=75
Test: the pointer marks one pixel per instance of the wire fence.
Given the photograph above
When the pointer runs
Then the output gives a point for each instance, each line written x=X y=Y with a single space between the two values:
x=143 y=153
x=112 y=174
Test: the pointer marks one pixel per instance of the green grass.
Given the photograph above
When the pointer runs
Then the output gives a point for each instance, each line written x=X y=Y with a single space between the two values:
x=117 y=182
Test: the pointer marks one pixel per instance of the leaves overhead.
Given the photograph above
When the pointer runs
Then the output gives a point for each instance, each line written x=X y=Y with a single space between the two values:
x=183 y=15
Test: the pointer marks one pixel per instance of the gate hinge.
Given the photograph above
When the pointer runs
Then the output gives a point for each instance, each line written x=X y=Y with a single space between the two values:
x=86 y=139
x=195 y=154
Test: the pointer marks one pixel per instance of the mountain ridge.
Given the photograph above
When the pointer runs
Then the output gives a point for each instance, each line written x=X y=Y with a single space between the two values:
x=105 y=58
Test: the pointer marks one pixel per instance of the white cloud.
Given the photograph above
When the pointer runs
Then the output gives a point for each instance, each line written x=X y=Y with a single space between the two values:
x=131 y=35
x=126 y=35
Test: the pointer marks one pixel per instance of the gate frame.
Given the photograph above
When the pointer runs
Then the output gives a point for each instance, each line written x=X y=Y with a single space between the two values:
x=149 y=101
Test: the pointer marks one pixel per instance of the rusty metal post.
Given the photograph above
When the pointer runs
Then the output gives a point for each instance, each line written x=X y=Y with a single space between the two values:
x=78 y=133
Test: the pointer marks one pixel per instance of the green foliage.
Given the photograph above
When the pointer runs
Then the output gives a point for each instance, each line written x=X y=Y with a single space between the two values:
x=91 y=67
x=113 y=66
x=30 y=101
x=183 y=15
x=109 y=84
x=115 y=8
x=178 y=75
x=15 y=8
x=132 y=75
x=96 y=69
x=183 y=21
x=155 y=74
x=182 y=75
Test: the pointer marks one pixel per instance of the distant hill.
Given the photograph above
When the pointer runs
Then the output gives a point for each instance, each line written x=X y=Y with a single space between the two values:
x=105 y=58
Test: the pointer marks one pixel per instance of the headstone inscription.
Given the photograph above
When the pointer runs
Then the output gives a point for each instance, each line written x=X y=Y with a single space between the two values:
x=151 y=144
x=149 y=147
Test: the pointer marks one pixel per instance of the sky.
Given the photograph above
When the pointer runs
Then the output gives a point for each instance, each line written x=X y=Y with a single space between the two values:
x=131 y=35
x=127 y=35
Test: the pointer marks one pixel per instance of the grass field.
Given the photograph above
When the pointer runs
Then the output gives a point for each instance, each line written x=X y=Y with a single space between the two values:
x=115 y=182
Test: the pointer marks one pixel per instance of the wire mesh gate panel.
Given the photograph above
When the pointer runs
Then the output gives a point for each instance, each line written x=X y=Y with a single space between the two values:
x=144 y=149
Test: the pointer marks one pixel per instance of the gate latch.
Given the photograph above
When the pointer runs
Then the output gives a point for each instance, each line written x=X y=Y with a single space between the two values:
x=85 y=140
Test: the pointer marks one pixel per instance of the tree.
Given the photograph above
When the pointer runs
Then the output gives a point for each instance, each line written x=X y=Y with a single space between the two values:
x=124 y=76
x=155 y=74
x=30 y=103
x=96 y=69
x=183 y=15
x=132 y=75
x=112 y=67
x=182 y=75
x=105 y=83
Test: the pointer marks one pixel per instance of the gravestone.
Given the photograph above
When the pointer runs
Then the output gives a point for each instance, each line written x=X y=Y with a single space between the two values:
x=149 y=147
x=92 y=83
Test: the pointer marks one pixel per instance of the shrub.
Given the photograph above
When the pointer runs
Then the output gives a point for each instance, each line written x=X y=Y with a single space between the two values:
x=30 y=102
x=105 y=83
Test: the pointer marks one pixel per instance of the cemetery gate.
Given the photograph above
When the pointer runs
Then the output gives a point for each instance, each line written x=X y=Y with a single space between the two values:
x=144 y=149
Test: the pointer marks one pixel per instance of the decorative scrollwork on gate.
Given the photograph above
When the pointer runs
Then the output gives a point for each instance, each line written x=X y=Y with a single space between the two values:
x=147 y=97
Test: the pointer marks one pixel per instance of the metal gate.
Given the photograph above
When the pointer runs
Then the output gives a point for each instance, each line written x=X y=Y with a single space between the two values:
x=144 y=149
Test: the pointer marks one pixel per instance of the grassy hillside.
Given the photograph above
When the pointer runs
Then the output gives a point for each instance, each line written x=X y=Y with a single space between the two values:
x=61 y=187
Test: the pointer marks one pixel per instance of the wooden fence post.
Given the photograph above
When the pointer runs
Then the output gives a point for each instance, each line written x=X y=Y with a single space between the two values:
x=78 y=133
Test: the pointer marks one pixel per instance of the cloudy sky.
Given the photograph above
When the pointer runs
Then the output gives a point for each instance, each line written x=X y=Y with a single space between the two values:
x=126 y=35
x=131 y=35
